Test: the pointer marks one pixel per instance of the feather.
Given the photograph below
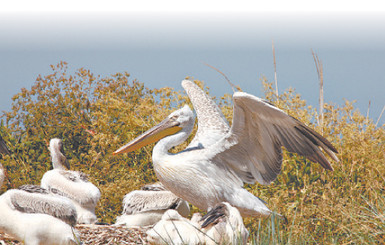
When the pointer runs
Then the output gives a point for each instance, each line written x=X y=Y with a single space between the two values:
x=39 y=202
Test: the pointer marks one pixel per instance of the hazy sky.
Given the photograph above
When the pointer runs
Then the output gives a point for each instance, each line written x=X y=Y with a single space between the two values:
x=160 y=46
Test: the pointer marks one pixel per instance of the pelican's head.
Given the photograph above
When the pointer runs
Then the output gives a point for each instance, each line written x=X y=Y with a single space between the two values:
x=55 y=144
x=180 y=120
x=224 y=223
x=59 y=161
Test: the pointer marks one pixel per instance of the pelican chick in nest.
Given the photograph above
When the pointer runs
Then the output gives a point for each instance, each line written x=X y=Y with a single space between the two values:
x=36 y=217
x=222 y=225
x=146 y=206
x=71 y=184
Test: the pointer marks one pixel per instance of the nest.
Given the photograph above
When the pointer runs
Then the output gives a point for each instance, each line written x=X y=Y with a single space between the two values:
x=100 y=234
x=111 y=234
x=7 y=239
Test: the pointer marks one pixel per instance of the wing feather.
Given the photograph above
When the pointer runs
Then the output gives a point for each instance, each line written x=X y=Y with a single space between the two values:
x=43 y=203
x=214 y=216
x=259 y=130
x=71 y=184
x=143 y=201
x=33 y=189
x=212 y=124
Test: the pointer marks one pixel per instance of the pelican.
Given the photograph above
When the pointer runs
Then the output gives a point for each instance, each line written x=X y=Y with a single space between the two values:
x=71 y=184
x=222 y=225
x=214 y=166
x=177 y=230
x=146 y=206
x=34 y=216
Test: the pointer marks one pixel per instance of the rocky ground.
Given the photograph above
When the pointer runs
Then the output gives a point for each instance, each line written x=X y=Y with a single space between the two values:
x=100 y=234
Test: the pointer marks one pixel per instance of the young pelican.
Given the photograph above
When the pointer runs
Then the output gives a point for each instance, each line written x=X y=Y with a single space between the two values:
x=71 y=184
x=146 y=206
x=213 y=168
x=34 y=216
x=222 y=225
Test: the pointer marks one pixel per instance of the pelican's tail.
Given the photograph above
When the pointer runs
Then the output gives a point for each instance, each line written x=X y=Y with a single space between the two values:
x=250 y=205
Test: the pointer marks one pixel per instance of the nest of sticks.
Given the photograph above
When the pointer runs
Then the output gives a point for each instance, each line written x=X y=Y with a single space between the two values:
x=99 y=234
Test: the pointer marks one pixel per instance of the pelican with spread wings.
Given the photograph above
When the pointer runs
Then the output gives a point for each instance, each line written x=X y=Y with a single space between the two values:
x=220 y=159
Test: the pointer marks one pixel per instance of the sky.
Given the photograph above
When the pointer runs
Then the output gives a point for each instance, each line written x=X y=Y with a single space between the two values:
x=162 y=42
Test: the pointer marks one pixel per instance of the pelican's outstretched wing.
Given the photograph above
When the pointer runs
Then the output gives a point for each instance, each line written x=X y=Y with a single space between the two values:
x=30 y=200
x=252 y=148
x=212 y=125
x=142 y=201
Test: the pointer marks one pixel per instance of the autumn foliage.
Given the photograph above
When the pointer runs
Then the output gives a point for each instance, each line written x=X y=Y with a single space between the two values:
x=94 y=116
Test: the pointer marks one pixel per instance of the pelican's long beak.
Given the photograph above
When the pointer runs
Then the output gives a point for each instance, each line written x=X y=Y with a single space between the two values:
x=167 y=127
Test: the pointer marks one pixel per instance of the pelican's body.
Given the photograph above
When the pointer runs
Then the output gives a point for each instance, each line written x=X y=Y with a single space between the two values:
x=213 y=168
x=35 y=217
x=71 y=184
x=146 y=207
x=222 y=225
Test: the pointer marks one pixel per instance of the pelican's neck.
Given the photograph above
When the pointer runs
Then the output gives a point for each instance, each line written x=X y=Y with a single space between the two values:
x=59 y=161
x=164 y=145
x=2 y=175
